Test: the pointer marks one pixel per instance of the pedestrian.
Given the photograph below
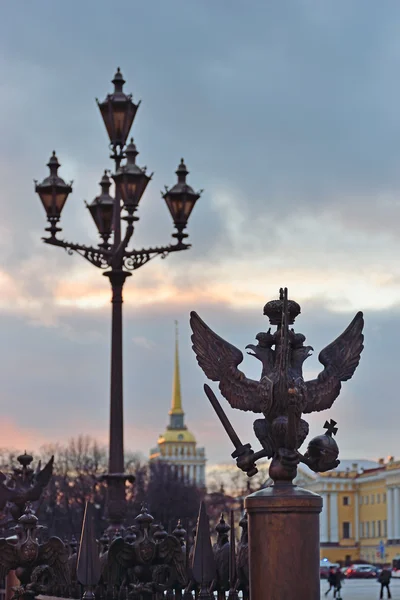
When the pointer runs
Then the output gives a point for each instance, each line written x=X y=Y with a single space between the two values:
x=384 y=579
x=331 y=580
x=338 y=583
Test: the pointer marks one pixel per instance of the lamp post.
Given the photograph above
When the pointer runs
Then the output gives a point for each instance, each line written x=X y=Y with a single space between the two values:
x=112 y=254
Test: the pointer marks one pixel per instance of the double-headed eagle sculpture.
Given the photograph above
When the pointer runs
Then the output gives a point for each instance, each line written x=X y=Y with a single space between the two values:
x=38 y=566
x=281 y=395
x=153 y=561
x=24 y=485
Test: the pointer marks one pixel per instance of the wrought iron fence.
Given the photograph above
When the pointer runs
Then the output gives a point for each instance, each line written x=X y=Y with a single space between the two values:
x=140 y=563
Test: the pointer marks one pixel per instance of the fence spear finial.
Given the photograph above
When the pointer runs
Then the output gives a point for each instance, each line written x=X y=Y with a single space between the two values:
x=88 y=568
x=203 y=569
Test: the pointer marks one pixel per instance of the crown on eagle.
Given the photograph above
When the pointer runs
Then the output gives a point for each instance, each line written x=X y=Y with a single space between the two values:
x=274 y=310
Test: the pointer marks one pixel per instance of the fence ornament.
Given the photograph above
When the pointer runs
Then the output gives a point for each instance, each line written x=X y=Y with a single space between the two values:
x=242 y=560
x=233 y=594
x=24 y=484
x=221 y=550
x=88 y=569
x=40 y=567
x=147 y=562
x=152 y=563
x=203 y=566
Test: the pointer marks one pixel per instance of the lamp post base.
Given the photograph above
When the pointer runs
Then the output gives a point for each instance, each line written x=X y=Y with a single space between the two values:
x=116 y=501
x=283 y=523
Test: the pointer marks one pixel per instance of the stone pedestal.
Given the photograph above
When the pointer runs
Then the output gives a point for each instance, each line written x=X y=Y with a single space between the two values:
x=283 y=522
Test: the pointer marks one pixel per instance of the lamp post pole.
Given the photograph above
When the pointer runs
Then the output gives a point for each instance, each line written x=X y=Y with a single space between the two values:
x=113 y=255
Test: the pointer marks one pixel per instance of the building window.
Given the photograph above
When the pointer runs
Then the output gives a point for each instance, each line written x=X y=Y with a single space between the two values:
x=346 y=530
x=373 y=529
x=379 y=529
x=361 y=500
x=384 y=498
x=366 y=500
x=362 y=529
x=373 y=499
x=346 y=501
x=385 y=528
x=367 y=529
x=378 y=498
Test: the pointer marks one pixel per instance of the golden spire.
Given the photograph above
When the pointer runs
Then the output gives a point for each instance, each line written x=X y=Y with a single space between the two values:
x=176 y=407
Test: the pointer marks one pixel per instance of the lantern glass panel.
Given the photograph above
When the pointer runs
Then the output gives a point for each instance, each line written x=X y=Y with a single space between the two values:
x=180 y=207
x=119 y=121
x=128 y=189
x=103 y=217
x=105 y=113
x=61 y=198
x=47 y=200
x=53 y=201
x=132 y=187
x=107 y=218
x=118 y=118
x=188 y=204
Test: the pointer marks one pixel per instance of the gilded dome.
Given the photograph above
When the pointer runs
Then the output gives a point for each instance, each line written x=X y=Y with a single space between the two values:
x=177 y=436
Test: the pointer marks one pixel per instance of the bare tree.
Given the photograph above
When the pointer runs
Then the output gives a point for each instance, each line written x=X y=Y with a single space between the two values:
x=78 y=467
x=170 y=497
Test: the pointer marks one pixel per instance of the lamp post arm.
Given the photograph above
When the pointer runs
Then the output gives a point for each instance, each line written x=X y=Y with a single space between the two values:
x=119 y=253
x=99 y=257
x=137 y=258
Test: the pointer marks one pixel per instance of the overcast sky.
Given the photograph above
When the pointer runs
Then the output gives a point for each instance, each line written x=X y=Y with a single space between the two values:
x=287 y=114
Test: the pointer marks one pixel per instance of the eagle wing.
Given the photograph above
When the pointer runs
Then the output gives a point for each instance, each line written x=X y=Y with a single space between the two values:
x=6 y=494
x=169 y=551
x=55 y=554
x=120 y=557
x=219 y=360
x=340 y=360
x=42 y=478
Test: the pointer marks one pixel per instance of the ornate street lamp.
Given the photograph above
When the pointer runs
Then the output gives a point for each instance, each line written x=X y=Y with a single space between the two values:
x=102 y=209
x=53 y=192
x=180 y=201
x=118 y=112
x=108 y=212
x=131 y=179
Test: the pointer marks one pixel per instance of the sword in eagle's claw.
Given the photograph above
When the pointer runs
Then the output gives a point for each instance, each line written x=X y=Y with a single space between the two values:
x=241 y=450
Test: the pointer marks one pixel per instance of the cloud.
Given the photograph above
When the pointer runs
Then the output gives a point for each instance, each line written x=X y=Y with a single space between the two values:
x=144 y=343
x=287 y=115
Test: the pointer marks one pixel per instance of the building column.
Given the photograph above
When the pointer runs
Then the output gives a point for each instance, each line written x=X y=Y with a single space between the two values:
x=396 y=510
x=389 y=515
x=356 y=518
x=202 y=478
x=334 y=521
x=323 y=520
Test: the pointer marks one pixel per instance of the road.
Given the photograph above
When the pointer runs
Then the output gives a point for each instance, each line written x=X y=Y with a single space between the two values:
x=365 y=589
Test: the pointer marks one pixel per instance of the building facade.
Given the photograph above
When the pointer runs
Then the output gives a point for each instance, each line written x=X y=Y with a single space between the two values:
x=177 y=445
x=360 y=519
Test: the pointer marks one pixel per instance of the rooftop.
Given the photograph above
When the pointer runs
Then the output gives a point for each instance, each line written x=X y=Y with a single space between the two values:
x=177 y=436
